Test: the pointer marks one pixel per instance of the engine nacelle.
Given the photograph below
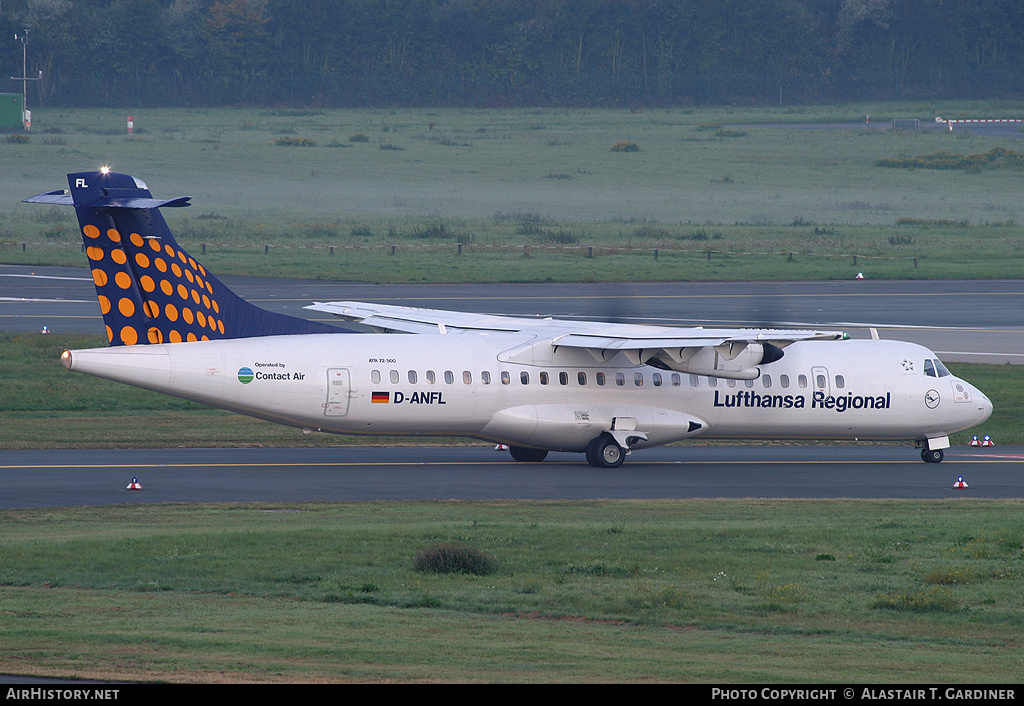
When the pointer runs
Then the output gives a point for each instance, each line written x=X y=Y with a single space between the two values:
x=734 y=360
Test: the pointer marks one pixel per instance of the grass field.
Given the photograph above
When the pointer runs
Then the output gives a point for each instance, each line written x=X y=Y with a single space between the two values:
x=527 y=192
x=742 y=591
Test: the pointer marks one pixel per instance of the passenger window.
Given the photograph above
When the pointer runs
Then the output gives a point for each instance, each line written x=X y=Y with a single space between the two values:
x=620 y=379
x=524 y=378
x=467 y=377
x=600 y=378
x=694 y=380
x=431 y=377
x=712 y=382
x=581 y=378
x=840 y=382
x=784 y=380
x=375 y=376
x=544 y=378
x=449 y=377
x=656 y=379
x=485 y=377
x=767 y=381
x=676 y=380
x=563 y=378
x=748 y=383
x=505 y=377
x=638 y=379
x=394 y=376
x=412 y=377
x=730 y=383
x=819 y=380
x=801 y=380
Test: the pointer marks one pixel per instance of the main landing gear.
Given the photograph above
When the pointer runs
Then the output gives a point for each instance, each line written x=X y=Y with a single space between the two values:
x=605 y=452
x=527 y=455
x=602 y=452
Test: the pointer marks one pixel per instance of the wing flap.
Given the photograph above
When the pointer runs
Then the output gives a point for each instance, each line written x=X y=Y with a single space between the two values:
x=726 y=353
x=695 y=338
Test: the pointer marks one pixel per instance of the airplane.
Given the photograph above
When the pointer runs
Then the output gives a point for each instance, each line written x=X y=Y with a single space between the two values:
x=533 y=384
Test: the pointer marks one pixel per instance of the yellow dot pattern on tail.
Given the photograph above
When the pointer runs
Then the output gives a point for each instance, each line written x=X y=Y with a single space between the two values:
x=149 y=291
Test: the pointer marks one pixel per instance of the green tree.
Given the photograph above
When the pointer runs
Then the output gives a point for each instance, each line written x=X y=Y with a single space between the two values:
x=236 y=33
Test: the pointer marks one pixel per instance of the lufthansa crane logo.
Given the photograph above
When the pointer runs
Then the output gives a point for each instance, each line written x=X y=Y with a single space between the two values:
x=931 y=399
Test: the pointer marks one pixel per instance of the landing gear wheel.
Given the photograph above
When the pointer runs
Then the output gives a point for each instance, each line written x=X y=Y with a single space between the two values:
x=527 y=455
x=604 y=452
x=931 y=455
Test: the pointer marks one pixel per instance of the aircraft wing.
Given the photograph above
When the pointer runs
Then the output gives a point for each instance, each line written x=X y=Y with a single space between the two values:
x=575 y=334
x=409 y=319
x=732 y=353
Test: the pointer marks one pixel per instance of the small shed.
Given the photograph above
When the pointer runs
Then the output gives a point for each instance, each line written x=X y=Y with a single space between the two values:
x=12 y=109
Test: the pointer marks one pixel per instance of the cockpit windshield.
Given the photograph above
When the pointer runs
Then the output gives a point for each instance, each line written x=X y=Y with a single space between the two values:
x=933 y=367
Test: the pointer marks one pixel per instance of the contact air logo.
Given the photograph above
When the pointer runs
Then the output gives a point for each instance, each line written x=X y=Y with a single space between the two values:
x=277 y=371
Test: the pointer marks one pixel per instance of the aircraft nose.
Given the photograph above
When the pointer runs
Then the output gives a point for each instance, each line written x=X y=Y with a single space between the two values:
x=984 y=405
x=981 y=405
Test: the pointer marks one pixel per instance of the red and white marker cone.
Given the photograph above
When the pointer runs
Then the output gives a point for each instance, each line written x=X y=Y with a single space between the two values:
x=960 y=482
x=974 y=441
x=987 y=441
x=135 y=485
x=860 y=275
x=501 y=447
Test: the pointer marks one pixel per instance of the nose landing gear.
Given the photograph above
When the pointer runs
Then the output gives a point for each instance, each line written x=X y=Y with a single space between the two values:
x=931 y=448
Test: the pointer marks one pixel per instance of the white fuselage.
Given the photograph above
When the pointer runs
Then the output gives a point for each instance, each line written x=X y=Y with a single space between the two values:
x=518 y=389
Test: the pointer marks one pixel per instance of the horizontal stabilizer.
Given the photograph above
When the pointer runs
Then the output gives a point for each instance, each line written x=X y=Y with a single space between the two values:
x=63 y=198
x=60 y=197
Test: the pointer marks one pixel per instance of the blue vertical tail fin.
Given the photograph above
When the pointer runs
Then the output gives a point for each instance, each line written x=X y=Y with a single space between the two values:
x=150 y=290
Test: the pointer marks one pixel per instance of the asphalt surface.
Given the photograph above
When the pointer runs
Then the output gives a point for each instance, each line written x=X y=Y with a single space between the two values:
x=102 y=477
x=1011 y=129
x=960 y=320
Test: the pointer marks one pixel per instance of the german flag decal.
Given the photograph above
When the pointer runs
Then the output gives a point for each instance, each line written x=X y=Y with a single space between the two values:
x=380 y=397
